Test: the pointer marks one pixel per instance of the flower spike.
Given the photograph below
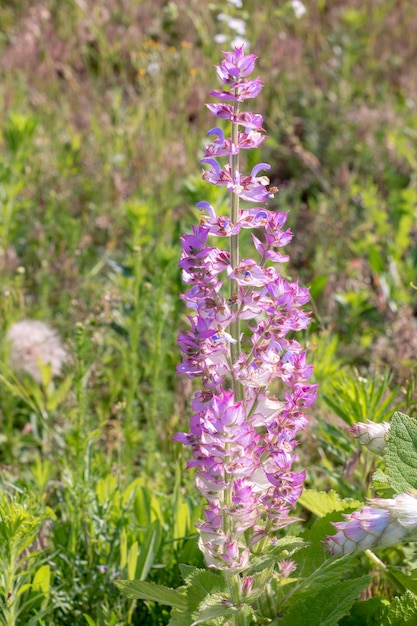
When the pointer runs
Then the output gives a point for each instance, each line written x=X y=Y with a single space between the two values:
x=242 y=438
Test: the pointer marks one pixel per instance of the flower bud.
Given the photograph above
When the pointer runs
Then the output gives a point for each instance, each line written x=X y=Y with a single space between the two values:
x=372 y=435
x=383 y=524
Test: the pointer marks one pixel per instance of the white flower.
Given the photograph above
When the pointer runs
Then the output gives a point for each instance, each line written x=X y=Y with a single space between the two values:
x=237 y=25
x=220 y=38
x=153 y=67
x=33 y=343
x=298 y=8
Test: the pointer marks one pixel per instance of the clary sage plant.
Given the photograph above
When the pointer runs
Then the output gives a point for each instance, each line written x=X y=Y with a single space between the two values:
x=251 y=375
x=244 y=313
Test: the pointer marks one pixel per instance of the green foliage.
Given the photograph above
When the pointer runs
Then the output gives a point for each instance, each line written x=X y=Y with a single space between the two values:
x=206 y=596
x=355 y=398
x=24 y=580
x=401 y=453
x=321 y=503
x=150 y=591
x=402 y=611
x=328 y=605
x=409 y=581
x=366 y=612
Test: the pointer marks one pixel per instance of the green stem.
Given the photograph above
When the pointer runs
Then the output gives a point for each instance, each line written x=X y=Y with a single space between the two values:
x=235 y=592
x=10 y=610
x=398 y=586
x=234 y=580
x=234 y=256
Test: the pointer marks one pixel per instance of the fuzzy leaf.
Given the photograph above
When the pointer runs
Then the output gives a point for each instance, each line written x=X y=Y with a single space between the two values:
x=89 y=620
x=201 y=584
x=326 y=607
x=401 y=453
x=366 y=612
x=402 y=612
x=282 y=549
x=186 y=570
x=323 y=572
x=143 y=590
x=179 y=618
x=379 y=476
x=213 y=608
x=381 y=484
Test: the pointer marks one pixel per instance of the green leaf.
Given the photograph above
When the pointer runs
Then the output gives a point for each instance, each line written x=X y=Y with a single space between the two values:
x=320 y=503
x=380 y=477
x=42 y=579
x=283 y=548
x=376 y=261
x=401 y=453
x=89 y=620
x=328 y=573
x=181 y=515
x=402 y=612
x=132 y=559
x=408 y=580
x=179 y=618
x=186 y=570
x=106 y=488
x=326 y=607
x=314 y=556
x=366 y=612
x=202 y=584
x=381 y=484
x=190 y=552
x=23 y=589
x=148 y=550
x=213 y=608
x=123 y=548
x=59 y=395
x=317 y=285
x=142 y=505
x=143 y=590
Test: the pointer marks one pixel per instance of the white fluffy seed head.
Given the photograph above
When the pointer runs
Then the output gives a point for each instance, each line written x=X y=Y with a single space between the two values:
x=33 y=343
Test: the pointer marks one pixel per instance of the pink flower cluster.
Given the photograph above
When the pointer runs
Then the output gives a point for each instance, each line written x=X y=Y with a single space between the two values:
x=240 y=344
